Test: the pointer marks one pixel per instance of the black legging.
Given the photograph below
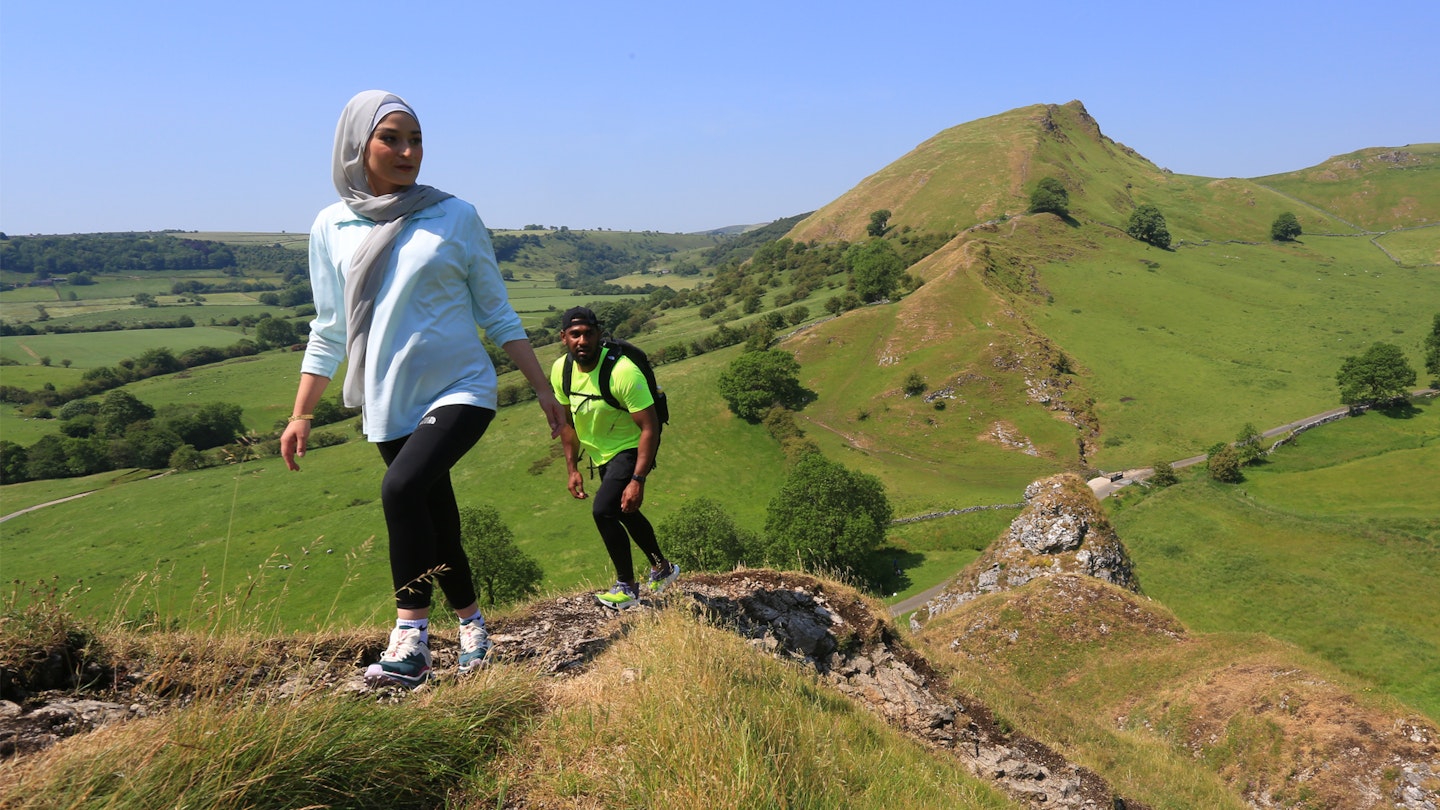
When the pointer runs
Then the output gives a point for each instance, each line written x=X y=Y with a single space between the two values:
x=420 y=509
x=616 y=527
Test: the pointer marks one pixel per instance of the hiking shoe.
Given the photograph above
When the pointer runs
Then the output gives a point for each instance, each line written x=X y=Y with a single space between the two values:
x=406 y=662
x=475 y=646
x=620 y=597
x=659 y=579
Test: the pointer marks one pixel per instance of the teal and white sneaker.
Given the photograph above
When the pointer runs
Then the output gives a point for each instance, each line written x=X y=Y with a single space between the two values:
x=406 y=662
x=475 y=646
x=623 y=596
x=660 y=579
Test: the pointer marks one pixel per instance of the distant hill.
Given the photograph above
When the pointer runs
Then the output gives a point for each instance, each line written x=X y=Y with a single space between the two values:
x=1142 y=352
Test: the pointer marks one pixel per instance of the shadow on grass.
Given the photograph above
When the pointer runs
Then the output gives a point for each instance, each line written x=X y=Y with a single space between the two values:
x=887 y=572
x=1399 y=410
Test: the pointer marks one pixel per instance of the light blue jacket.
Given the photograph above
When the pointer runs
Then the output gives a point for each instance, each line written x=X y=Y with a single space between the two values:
x=424 y=350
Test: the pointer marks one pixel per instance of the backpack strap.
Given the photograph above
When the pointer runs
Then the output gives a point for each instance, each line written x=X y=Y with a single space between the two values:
x=607 y=368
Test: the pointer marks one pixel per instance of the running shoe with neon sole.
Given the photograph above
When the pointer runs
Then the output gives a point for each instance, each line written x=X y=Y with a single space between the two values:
x=621 y=597
x=406 y=662
x=659 y=580
x=475 y=646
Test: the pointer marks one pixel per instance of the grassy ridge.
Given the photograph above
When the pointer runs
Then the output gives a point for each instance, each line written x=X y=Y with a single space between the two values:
x=1173 y=717
x=718 y=725
x=1378 y=189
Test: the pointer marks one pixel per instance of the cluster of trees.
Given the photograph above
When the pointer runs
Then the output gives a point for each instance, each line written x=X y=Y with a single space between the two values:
x=1431 y=345
x=1146 y=222
x=595 y=260
x=52 y=256
x=759 y=380
x=501 y=572
x=1226 y=462
x=824 y=518
x=121 y=431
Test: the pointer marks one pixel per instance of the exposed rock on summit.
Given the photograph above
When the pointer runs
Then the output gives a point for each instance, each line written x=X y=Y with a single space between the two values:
x=1062 y=530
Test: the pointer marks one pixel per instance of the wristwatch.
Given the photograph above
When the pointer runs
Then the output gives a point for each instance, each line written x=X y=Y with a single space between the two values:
x=639 y=478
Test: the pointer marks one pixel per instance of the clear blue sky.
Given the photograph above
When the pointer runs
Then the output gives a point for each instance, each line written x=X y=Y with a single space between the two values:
x=670 y=116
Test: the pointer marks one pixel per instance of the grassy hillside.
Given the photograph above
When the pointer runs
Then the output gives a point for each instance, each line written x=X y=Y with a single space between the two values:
x=1285 y=625
x=1165 y=351
x=1377 y=189
x=1045 y=344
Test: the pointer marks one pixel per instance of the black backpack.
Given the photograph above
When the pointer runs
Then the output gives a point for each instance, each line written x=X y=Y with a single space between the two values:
x=623 y=348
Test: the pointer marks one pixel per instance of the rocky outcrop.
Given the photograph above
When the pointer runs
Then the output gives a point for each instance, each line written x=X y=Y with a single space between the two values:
x=848 y=642
x=1062 y=530
x=851 y=647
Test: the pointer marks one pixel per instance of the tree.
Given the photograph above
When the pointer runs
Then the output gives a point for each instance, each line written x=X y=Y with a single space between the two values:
x=701 y=536
x=1285 y=228
x=1224 y=465
x=272 y=332
x=501 y=572
x=915 y=384
x=756 y=380
x=1148 y=225
x=1378 y=376
x=1163 y=474
x=1247 y=444
x=826 y=517
x=118 y=411
x=879 y=222
x=187 y=457
x=12 y=463
x=1050 y=197
x=1432 y=352
x=875 y=268
x=211 y=425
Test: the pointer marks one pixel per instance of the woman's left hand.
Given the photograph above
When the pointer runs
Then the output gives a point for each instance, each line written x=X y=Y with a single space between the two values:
x=554 y=411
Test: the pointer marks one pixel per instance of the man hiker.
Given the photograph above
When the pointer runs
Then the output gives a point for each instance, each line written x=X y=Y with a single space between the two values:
x=621 y=443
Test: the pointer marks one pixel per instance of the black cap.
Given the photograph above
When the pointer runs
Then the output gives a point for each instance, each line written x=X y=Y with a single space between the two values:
x=578 y=316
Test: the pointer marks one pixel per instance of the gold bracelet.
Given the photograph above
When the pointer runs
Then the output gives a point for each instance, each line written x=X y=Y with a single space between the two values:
x=304 y=417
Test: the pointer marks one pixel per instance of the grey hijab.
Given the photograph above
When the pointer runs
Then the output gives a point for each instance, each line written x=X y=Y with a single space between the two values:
x=388 y=211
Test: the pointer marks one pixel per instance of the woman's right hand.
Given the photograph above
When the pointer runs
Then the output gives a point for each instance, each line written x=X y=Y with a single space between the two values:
x=293 y=441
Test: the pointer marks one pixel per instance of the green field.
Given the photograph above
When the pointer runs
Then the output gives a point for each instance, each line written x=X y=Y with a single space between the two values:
x=1331 y=546
x=1186 y=347
x=233 y=518
x=88 y=350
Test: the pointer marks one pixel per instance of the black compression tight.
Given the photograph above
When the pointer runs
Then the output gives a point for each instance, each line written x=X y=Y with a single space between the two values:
x=421 y=514
x=618 y=528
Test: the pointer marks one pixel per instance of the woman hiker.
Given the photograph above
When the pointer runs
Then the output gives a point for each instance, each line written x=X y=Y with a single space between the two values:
x=402 y=275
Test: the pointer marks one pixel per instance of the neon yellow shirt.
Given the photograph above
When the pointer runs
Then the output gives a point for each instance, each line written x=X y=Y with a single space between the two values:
x=603 y=431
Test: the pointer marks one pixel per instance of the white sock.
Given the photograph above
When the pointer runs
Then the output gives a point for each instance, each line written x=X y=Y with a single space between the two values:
x=423 y=625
